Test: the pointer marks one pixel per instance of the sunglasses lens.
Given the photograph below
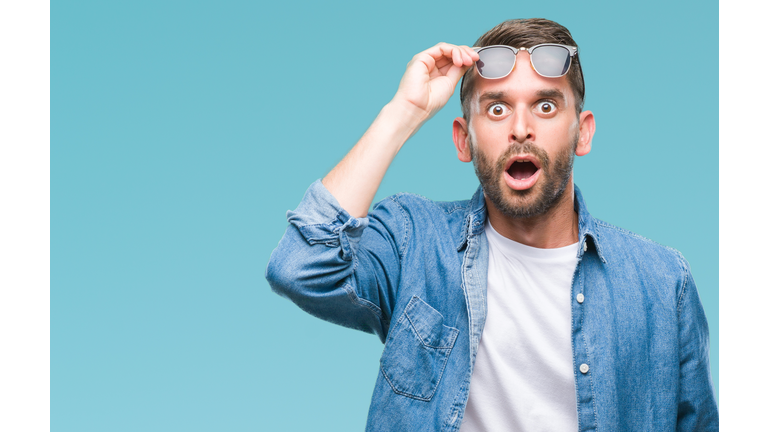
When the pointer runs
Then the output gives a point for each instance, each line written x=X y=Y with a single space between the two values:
x=551 y=61
x=495 y=62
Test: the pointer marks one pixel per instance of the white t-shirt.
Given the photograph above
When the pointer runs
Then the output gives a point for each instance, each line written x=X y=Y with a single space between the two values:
x=523 y=379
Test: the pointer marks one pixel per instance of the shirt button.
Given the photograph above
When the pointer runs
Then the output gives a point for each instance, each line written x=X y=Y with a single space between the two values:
x=580 y=298
x=585 y=245
x=584 y=368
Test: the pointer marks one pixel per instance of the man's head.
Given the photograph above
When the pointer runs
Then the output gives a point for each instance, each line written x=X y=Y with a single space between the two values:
x=522 y=131
x=519 y=33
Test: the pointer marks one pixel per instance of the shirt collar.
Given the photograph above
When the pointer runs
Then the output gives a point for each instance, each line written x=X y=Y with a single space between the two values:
x=474 y=223
x=474 y=219
x=587 y=226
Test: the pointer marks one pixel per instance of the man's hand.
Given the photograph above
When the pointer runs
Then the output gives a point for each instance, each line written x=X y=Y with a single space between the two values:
x=432 y=75
x=428 y=83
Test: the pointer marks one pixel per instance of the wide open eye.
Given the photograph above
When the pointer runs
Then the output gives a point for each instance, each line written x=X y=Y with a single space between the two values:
x=497 y=110
x=546 y=107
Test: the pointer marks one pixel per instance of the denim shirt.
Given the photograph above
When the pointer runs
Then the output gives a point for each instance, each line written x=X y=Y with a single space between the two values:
x=414 y=272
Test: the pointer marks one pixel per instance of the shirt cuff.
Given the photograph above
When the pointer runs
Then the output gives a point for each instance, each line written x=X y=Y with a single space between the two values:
x=321 y=219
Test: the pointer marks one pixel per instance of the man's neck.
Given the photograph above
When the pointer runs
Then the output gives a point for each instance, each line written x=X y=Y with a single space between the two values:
x=558 y=227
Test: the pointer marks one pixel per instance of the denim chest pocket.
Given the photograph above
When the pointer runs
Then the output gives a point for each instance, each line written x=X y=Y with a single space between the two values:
x=417 y=350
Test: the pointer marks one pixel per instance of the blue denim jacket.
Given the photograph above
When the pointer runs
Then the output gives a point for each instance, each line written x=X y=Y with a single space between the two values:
x=414 y=272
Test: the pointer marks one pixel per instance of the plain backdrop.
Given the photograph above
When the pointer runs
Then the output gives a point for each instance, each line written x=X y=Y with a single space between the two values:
x=182 y=131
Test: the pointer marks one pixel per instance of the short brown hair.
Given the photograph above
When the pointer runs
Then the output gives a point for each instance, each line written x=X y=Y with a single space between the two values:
x=526 y=33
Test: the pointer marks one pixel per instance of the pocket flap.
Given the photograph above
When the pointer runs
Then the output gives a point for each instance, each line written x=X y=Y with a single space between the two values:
x=428 y=324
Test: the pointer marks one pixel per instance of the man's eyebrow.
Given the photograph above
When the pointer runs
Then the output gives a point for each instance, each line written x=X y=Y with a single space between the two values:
x=491 y=95
x=551 y=94
x=500 y=95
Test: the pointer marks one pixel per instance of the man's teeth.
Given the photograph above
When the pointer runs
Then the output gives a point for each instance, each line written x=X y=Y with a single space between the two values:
x=523 y=160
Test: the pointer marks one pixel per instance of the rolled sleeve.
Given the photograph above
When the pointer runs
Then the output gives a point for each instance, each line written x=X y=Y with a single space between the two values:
x=337 y=267
x=320 y=219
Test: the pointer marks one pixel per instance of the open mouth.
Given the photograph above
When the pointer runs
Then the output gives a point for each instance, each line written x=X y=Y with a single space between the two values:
x=522 y=169
x=523 y=172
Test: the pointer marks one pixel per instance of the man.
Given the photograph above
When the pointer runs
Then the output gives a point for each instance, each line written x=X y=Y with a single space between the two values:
x=514 y=310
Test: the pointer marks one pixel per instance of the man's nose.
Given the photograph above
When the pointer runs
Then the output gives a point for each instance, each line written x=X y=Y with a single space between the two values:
x=522 y=129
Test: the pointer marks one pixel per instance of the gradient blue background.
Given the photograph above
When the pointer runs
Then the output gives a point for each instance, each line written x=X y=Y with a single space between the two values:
x=182 y=131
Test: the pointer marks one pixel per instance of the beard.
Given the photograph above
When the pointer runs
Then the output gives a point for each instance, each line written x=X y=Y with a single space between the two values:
x=535 y=201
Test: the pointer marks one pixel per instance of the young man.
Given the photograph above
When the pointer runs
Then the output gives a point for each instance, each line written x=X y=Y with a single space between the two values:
x=514 y=310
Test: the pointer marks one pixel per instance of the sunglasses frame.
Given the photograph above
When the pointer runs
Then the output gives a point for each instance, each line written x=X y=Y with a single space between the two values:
x=572 y=50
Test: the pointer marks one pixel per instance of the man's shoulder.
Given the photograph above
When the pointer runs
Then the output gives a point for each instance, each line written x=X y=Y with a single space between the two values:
x=622 y=245
x=422 y=219
x=411 y=202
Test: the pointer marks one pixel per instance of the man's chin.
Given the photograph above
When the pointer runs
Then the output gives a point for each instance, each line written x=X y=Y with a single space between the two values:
x=517 y=203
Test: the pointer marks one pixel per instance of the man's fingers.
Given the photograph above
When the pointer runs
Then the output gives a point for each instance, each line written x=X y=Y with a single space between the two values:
x=432 y=75
x=439 y=56
x=452 y=53
x=465 y=58
x=444 y=69
x=455 y=73
x=458 y=58
x=443 y=62
x=462 y=57
x=471 y=53
x=427 y=59
x=468 y=55
x=440 y=50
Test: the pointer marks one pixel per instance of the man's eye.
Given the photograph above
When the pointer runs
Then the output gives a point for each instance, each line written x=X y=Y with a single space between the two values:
x=546 y=107
x=497 y=110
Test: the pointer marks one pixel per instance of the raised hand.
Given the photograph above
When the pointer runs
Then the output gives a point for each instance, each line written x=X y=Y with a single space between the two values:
x=432 y=75
x=428 y=83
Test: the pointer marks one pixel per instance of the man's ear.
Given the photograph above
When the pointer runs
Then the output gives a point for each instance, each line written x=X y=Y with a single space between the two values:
x=460 y=139
x=586 y=132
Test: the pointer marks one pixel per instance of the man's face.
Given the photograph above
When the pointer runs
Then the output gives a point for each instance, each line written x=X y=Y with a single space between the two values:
x=523 y=135
x=548 y=189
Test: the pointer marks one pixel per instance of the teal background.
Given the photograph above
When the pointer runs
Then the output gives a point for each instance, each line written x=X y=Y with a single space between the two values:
x=182 y=131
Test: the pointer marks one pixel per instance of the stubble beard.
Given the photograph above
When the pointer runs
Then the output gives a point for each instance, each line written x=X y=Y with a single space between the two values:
x=523 y=204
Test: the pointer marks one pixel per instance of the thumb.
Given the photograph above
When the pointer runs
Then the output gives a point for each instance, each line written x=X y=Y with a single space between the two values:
x=455 y=73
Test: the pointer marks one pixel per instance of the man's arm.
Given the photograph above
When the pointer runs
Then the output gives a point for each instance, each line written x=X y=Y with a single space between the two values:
x=333 y=261
x=426 y=86
x=696 y=408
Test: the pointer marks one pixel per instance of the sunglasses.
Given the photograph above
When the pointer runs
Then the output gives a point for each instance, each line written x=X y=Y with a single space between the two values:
x=548 y=60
